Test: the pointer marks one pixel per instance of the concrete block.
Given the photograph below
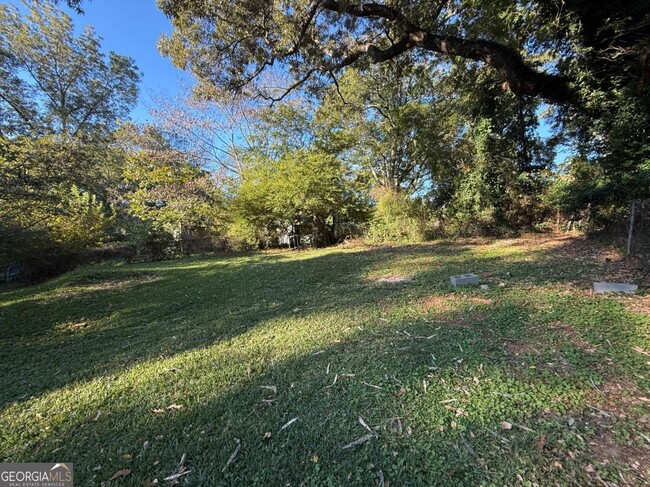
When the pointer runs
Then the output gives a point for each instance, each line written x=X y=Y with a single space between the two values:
x=614 y=287
x=464 y=279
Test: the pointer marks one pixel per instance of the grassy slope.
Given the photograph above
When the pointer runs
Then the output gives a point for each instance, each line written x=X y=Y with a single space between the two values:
x=91 y=362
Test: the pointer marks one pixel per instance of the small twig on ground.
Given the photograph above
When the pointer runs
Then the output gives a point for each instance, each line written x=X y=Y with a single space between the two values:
x=600 y=411
x=233 y=456
x=594 y=384
x=360 y=441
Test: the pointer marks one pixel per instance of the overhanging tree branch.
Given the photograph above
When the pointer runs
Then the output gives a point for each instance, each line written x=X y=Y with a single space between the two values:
x=517 y=74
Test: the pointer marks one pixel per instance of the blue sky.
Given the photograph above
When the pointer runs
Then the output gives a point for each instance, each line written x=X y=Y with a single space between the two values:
x=132 y=28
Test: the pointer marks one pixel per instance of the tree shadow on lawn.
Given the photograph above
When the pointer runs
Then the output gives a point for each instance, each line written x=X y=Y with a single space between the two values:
x=435 y=406
x=78 y=327
x=196 y=303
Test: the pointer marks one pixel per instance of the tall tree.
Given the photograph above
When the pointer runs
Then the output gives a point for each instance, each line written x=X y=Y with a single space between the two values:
x=387 y=121
x=52 y=82
x=60 y=100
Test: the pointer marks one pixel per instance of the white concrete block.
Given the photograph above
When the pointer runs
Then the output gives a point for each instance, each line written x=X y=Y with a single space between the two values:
x=614 y=287
x=464 y=279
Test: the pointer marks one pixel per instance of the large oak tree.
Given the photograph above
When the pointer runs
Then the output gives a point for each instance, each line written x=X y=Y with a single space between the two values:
x=234 y=43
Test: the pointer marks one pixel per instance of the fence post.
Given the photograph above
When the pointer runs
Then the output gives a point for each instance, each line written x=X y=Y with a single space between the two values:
x=631 y=231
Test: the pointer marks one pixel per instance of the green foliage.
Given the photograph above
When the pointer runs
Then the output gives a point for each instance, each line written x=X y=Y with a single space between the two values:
x=386 y=121
x=47 y=199
x=83 y=221
x=61 y=99
x=164 y=189
x=397 y=218
x=308 y=188
x=54 y=82
x=461 y=124
x=500 y=162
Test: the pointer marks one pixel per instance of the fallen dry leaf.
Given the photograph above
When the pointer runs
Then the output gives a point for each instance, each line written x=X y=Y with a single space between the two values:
x=174 y=406
x=506 y=426
x=120 y=474
x=541 y=442
x=289 y=423
x=176 y=475
x=398 y=426
x=363 y=423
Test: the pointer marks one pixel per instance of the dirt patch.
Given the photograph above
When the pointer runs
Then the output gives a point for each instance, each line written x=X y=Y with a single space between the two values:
x=547 y=357
x=518 y=348
x=459 y=323
x=75 y=326
x=611 y=262
x=618 y=398
x=572 y=336
x=479 y=301
x=447 y=302
x=393 y=280
x=438 y=303
x=638 y=304
x=635 y=460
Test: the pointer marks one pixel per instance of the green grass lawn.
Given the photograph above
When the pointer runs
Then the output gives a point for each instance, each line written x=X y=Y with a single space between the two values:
x=135 y=368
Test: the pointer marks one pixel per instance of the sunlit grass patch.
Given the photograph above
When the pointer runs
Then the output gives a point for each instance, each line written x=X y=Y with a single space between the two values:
x=531 y=381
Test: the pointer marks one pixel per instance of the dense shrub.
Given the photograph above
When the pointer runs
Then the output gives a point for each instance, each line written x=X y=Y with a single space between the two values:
x=397 y=218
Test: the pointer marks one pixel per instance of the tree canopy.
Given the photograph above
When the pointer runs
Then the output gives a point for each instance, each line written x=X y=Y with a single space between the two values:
x=527 y=43
x=55 y=82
